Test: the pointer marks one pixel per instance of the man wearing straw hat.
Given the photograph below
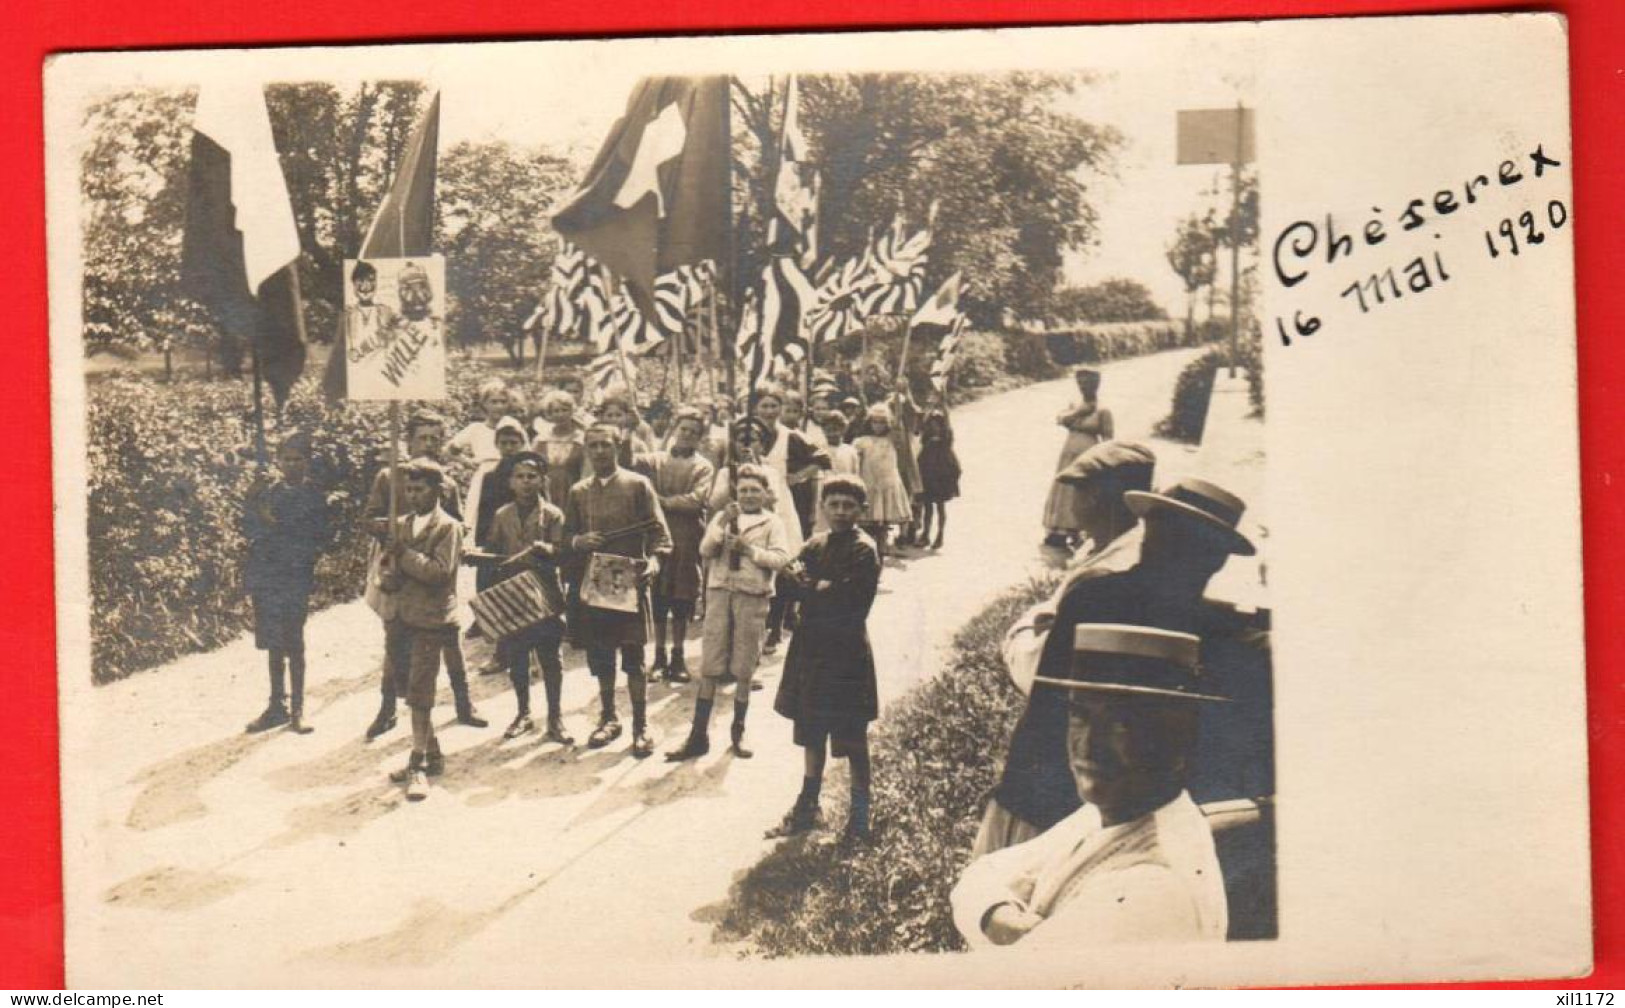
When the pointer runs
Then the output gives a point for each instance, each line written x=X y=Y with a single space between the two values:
x=1189 y=534
x=1136 y=862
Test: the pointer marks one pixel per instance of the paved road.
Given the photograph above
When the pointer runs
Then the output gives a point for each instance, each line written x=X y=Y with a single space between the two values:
x=281 y=859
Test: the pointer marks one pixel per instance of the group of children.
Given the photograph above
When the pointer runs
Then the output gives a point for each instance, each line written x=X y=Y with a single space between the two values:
x=773 y=525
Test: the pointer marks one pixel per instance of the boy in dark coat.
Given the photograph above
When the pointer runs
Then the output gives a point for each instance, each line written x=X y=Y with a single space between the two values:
x=285 y=523
x=829 y=687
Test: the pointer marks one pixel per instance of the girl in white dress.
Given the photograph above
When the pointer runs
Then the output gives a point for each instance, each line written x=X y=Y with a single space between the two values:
x=877 y=466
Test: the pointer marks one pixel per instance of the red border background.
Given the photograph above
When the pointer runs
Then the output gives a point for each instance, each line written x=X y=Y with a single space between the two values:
x=30 y=858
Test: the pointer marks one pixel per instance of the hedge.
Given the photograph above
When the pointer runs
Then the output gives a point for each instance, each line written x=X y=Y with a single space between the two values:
x=933 y=770
x=1187 y=413
x=1094 y=344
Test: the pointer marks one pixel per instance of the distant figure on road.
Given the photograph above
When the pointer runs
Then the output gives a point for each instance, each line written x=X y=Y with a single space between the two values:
x=1087 y=424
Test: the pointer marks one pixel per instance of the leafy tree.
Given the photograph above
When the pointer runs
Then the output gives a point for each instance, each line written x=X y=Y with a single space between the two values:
x=1115 y=300
x=133 y=186
x=494 y=198
x=1006 y=168
x=339 y=150
x=1192 y=256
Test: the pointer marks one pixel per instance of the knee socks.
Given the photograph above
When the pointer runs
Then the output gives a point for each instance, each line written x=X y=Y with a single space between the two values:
x=278 y=671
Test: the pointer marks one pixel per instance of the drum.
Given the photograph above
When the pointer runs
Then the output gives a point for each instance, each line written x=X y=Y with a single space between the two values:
x=516 y=604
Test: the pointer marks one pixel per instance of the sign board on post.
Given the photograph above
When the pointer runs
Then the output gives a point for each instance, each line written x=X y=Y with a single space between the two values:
x=395 y=327
x=1215 y=136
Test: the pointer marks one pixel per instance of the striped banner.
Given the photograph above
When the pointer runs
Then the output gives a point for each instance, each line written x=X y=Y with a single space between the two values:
x=838 y=305
x=898 y=271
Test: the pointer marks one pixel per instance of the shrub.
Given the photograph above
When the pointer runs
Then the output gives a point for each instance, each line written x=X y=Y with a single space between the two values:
x=1094 y=344
x=933 y=771
x=1188 y=413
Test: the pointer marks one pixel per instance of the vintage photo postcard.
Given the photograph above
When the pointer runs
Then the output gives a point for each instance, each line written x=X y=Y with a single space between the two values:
x=1073 y=506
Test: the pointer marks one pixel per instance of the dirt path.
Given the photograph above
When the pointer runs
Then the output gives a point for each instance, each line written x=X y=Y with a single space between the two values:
x=284 y=860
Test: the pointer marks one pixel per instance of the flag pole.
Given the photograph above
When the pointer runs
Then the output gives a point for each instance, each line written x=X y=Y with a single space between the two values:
x=1235 y=240
x=726 y=343
x=394 y=468
x=261 y=458
x=541 y=352
x=902 y=356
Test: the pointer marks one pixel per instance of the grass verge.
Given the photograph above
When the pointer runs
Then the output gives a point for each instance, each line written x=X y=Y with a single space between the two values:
x=933 y=768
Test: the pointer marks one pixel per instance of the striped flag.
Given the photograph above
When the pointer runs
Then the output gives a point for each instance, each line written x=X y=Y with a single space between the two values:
x=787 y=295
x=671 y=303
x=601 y=372
x=838 y=307
x=558 y=312
x=750 y=348
x=594 y=307
x=634 y=334
x=240 y=247
x=898 y=271
x=947 y=355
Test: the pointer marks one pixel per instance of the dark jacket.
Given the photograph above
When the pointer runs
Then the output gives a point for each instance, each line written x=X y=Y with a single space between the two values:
x=829 y=674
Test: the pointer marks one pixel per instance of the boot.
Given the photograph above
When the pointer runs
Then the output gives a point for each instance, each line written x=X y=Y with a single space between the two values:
x=404 y=775
x=643 y=746
x=936 y=543
x=658 y=667
x=296 y=709
x=696 y=745
x=274 y=715
x=434 y=764
x=771 y=645
x=608 y=730
x=803 y=817
x=556 y=733
x=699 y=741
x=466 y=714
x=417 y=786
x=737 y=734
x=384 y=721
x=857 y=820
x=678 y=670
x=522 y=725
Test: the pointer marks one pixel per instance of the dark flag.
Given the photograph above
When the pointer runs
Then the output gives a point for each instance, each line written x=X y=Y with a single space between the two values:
x=794 y=227
x=403 y=226
x=240 y=248
x=656 y=196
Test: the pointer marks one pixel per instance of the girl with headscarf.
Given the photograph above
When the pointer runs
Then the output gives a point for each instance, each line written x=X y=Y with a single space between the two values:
x=1087 y=425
